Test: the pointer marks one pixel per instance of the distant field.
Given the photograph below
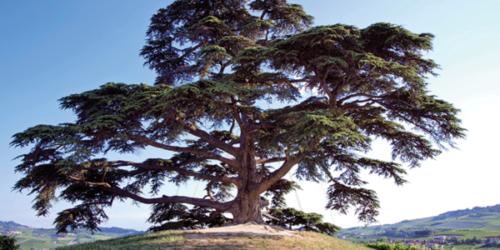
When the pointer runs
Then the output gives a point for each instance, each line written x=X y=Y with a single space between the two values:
x=40 y=244
x=457 y=224
x=488 y=222
x=101 y=237
x=41 y=238
x=467 y=247
x=28 y=241
x=477 y=222
x=85 y=240
x=471 y=234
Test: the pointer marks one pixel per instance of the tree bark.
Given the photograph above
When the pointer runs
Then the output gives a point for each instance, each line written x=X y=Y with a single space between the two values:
x=246 y=208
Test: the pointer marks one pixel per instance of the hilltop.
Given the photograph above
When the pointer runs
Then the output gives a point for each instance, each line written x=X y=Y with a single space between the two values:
x=182 y=240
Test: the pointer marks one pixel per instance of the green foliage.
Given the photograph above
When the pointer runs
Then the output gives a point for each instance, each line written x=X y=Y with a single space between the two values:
x=382 y=239
x=180 y=217
x=292 y=218
x=400 y=246
x=8 y=243
x=216 y=62
x=278 y=191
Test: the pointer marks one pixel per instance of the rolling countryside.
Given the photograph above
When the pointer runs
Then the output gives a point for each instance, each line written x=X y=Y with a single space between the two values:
x=479 y=224
x=40 y=238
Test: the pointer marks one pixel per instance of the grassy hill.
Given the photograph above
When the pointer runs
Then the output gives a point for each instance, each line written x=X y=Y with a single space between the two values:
x=180 y=240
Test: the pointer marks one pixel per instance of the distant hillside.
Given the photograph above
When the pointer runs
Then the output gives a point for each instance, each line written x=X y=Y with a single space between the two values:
x=475 y=219
x=10 y=225
x=120 y=231
x=39 y=238
x=109 y=231
x=476 y=211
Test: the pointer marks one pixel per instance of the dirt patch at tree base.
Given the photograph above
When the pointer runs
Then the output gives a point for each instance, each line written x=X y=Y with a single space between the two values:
x=247 y=229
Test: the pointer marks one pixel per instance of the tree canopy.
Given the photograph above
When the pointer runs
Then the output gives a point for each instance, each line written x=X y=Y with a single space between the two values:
x=218 y=62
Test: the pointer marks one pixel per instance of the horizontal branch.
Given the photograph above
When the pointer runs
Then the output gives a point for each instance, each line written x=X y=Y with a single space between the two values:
x=298 y=80
x=264 y=126
x=105 y=184
x=267 y=215
x=354 y=105
x=235 y=141
x=169 y=199
x=371 y=97
x=209 y=138
x=231 y=162
x=357 y=95
x=179 y=170
x=270 y=160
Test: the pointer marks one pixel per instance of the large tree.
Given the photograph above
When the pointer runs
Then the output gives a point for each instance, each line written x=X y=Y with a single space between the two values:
x=218 y=62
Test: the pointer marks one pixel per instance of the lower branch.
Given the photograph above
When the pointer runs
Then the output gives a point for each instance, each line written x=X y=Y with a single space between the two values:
x=179 y=170
x=267 y=215
x=169 y=199
x=231 y=162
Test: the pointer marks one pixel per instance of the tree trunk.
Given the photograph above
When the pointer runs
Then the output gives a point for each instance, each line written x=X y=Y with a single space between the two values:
x=246 y=208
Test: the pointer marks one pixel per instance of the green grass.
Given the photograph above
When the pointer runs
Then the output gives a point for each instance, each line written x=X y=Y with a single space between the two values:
x=181 y=240
x=40 y=244
x=101 y=237
x=84 y=240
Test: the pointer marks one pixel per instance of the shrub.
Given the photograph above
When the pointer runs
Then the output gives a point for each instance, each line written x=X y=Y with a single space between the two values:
x=8 y=243
x=400 y=246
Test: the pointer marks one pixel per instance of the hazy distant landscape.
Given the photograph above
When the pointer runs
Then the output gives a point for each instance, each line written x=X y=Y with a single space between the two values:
x=44 y=238
x=459 y=228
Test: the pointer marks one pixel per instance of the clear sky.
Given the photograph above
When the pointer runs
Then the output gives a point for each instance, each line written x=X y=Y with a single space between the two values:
x=50 y=49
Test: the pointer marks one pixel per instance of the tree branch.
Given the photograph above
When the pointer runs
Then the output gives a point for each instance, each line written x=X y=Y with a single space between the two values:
x=353 y=105
x=209 y=138
x=371 y=97
x=235 y=141
x=406 y=119
x=179 y=170
x=238 y=119
x=267 y=215
x=209 y=190
x=231 y=162
x=279 y=173
x=88 y=182
x=322 y=82
x=169 y=199
x=275 y=159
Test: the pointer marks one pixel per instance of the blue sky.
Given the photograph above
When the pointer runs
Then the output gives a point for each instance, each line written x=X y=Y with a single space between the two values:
x=50 y=49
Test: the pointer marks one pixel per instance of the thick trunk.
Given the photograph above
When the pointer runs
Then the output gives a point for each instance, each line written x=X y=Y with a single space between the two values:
x=246 y=209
